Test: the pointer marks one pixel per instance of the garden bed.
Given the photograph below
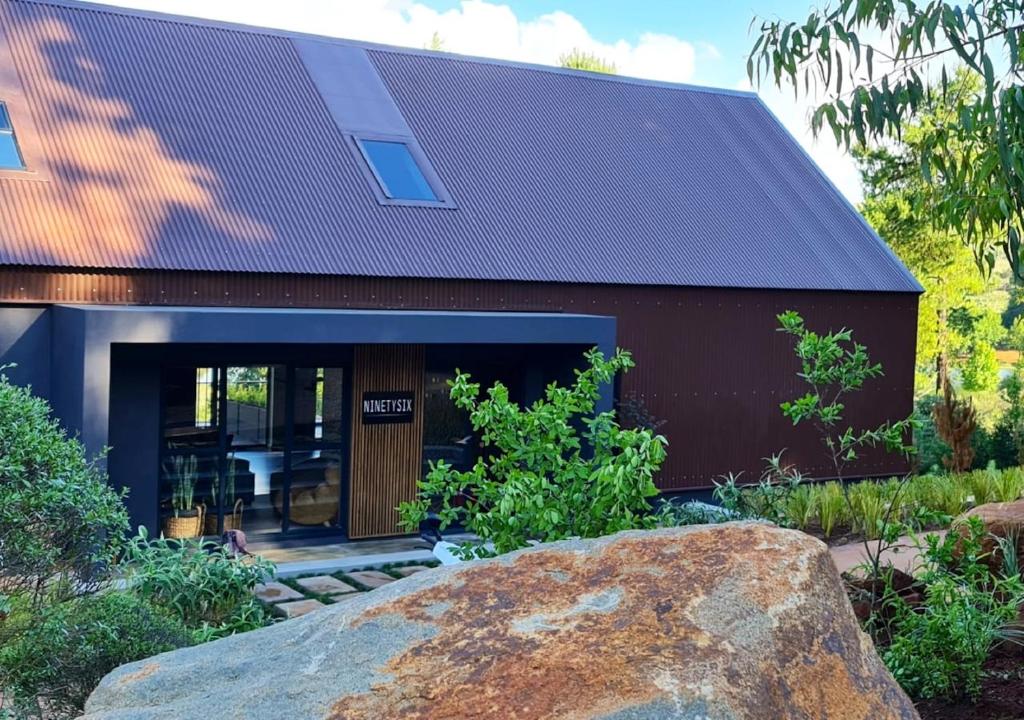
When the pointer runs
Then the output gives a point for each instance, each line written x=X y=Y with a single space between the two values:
x=1002 y=694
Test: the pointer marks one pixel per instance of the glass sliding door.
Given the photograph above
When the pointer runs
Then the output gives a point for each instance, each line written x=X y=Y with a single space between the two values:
x=257 y=446
x=256 y=422
x=315 y=461
x=190 y=462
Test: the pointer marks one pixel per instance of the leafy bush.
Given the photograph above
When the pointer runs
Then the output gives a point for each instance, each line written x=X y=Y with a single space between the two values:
x=199 y=583
x=939 y=648
x=60 y=655
x=678 y=514
x=61 y=525
x=538 y=480
x=981 y=371
x=931 y=448
x=770 y=498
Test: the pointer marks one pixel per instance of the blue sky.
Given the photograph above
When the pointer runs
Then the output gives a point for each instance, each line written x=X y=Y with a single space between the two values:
x=697 y=41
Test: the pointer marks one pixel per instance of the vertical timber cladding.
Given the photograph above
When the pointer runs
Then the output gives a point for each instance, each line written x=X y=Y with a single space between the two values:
x=387 y=456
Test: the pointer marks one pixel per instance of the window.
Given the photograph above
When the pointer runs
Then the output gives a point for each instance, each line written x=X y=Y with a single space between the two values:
x=10 y=157
x=397 y=171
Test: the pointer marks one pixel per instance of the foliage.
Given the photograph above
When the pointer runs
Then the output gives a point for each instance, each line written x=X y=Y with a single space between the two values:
x=973 y=163
x=893 y=189
x=181 y=471
x=577 y=59
x=955 y=422
x=678 y=514
x=939 y=648
x=537 y=479
x=930 y=447
x=634 y=413
x=833 y=365
x=831 y=505
x=61 y=525
x=770 y=498
x=61 y=655
x=981 y=371
x=199 y=583
x=248 y=394
x=1012 y=390
x=921 y=502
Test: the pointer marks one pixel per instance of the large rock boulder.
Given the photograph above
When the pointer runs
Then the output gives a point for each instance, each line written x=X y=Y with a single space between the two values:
x=1001 y=520
x=733 y=621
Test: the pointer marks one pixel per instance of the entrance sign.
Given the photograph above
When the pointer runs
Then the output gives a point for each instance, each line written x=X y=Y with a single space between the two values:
x=387 y=408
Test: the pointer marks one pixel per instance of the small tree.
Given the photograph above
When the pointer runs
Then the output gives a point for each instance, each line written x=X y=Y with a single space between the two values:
x=955 y=422
x=833 y=365
x=539 y=479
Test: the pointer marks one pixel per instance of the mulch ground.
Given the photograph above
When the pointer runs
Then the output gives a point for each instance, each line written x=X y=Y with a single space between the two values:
x=1002 y=695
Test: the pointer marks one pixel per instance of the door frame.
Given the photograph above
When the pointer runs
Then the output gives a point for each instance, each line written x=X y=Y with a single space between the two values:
x=221 y=359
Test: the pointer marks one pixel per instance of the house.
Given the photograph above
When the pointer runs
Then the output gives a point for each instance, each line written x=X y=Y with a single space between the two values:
x=248 y=261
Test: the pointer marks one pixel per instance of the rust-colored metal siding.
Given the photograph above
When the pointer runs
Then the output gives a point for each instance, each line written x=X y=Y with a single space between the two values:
x=709 y=360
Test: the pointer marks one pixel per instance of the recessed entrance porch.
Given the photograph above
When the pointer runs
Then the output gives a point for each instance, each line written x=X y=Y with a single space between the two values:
x=294 y=424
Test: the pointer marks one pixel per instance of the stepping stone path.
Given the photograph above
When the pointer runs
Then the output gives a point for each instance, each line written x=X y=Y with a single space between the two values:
x=297 y=608
x=410 y=570
x=371 y=578
x=290 y=602
x=275 y=592
x=325 y=585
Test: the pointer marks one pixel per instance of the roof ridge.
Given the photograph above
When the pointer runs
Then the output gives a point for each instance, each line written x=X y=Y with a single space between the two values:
x=230 y=26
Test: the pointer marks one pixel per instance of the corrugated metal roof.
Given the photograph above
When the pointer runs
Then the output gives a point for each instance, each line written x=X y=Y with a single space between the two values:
x=187 y=145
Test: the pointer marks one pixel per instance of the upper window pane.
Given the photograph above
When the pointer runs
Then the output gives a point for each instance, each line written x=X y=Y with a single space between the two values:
x=400 y=176
x=10 y=157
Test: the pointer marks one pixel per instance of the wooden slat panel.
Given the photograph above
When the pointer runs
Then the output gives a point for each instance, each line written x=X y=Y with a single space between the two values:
x=386 y=459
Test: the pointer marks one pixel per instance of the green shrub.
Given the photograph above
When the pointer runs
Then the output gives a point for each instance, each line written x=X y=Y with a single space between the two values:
x=981 y=371
x=61 y=525
x=832 y=509
x=61 y=654
x=199 y=583
x=677 y=514
x=1008 y=485
x=539 y=479
x=930 y=447
x=939 y=648
x=802 y=506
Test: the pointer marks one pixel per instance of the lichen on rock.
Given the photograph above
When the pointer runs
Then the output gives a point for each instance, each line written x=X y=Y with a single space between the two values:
x=725 y=622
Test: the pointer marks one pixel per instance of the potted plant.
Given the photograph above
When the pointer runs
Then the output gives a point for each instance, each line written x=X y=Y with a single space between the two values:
x=186 y=518
x=234 y=520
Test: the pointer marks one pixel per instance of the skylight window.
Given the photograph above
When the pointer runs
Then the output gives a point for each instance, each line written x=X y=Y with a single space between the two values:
x=397 y=171
x=10 y=157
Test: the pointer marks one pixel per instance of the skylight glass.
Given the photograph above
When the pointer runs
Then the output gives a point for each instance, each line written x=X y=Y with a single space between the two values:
x=10 y=157
x=399 y=174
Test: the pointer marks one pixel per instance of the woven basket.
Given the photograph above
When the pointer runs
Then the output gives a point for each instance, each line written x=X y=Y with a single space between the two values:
x=185 y=527
x=231 y=522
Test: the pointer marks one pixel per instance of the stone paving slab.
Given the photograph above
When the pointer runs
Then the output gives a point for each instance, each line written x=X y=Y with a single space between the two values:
x=275 y=592
x=410 y=570
x=371 y=578
x=325 y=585
x=297 y=608
x=904 y=556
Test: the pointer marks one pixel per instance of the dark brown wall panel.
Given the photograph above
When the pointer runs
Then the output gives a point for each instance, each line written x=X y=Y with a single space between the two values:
x=709 y=361
x=386 y=459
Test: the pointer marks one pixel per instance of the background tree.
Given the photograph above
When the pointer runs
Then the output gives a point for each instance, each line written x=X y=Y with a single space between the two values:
x=577 y=59
x=972 y=162
x=436 y=42
x=894 y=191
